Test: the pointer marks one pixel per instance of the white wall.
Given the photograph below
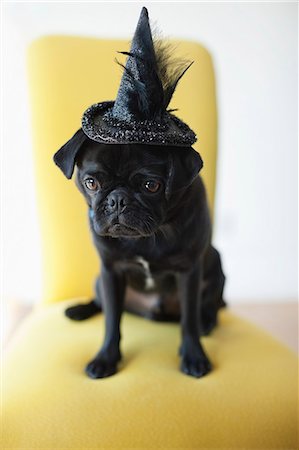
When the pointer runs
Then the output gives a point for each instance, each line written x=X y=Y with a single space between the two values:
x=254 y=46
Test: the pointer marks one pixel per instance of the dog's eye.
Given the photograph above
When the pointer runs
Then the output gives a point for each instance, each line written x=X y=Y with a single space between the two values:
x=152 y=186
x=91 y=184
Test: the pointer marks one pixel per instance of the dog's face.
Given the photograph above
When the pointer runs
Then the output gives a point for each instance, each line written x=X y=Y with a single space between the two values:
x=125 y=188
x=129 y=188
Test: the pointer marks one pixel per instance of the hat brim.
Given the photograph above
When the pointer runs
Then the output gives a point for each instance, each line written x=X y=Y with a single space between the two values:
x=99 y=124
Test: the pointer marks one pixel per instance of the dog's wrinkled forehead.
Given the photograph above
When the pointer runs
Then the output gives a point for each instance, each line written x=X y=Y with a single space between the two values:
x=121 y=159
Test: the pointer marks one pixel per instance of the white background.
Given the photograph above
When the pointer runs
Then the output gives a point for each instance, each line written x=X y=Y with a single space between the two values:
x=254 y=47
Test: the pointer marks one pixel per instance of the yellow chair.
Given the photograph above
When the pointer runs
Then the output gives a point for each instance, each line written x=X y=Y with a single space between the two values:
x=249 y=400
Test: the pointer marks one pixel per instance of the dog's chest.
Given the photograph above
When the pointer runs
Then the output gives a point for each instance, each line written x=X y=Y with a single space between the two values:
x=149 y=280
x=138 y=271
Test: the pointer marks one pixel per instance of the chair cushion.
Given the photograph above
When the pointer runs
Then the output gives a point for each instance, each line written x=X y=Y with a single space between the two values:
x=249 y=400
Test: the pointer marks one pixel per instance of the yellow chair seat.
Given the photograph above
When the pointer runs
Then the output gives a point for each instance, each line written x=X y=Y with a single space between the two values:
x=248 y=402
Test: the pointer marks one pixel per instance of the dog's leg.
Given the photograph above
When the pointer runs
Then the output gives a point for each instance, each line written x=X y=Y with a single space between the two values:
x=212 y=295
x=193 y=358
x=112 y=291
x=86 y=310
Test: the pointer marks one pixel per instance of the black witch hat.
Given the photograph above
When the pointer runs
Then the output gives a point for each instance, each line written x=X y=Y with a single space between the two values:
x=139 y=114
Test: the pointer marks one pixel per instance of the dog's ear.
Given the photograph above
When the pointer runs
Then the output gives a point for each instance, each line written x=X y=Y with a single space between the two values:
x=184 y=165
x=65 y=158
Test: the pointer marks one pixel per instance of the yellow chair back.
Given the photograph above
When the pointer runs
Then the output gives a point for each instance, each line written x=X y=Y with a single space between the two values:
x=66 y=76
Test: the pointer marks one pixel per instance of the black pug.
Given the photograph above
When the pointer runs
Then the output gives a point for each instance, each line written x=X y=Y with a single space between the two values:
x=150 y=224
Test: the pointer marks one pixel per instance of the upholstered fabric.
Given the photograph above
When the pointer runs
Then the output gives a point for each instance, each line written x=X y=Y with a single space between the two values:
x=248 y=402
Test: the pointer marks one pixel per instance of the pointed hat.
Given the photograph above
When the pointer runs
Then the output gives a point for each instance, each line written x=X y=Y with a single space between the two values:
x=139 y=114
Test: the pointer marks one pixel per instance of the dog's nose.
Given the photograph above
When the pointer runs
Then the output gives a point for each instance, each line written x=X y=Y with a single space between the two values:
x=117 y=201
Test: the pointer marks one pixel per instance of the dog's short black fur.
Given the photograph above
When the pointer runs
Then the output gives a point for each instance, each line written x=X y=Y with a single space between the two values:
x=150 y=223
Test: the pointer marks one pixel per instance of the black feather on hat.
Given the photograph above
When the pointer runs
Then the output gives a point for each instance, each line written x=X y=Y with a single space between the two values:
x=139 y=114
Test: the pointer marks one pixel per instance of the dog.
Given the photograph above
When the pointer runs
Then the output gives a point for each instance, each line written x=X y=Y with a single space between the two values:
x=150 y=224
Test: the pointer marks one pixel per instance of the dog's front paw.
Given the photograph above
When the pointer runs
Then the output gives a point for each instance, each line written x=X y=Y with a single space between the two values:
x=195 y=366
x=194 y=361
x=102 y=367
